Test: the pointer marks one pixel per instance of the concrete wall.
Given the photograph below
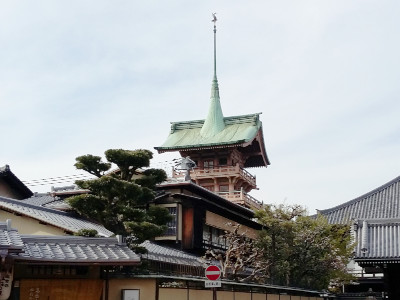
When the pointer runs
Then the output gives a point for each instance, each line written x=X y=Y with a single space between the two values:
x=200 y=294
x=27 y=225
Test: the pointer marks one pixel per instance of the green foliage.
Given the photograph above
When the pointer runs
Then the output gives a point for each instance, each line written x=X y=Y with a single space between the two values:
x=144 y=230
x=151 y=178
x=121 y=201
x=92 y=164
x=128 y=161
x=304 y=251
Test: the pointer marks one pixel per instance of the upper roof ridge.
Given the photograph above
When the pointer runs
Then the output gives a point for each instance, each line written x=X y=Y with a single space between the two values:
x=360 y=198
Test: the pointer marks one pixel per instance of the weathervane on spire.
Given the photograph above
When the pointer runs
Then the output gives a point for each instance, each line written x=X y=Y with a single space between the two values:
x=214 y=18
x=215 y=42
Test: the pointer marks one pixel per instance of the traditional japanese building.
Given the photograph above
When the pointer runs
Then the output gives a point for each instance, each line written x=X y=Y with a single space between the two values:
x=41 y=260
x=222 y=149
x=375 y=221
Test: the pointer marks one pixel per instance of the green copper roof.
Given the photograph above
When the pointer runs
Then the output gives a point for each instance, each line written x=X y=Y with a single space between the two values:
x=237 y=130
x=214 y=123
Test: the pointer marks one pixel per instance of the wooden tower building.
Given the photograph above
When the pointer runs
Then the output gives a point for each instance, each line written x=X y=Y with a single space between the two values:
x=222 y=148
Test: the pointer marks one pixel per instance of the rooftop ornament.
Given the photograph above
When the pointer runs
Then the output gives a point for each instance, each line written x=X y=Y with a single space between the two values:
x=185 y=163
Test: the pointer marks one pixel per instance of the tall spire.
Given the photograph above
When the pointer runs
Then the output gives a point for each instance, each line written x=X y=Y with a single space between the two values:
x=214 y=122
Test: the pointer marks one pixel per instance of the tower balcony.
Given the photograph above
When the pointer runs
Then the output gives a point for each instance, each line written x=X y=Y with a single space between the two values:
x=242 y=198
x=224 y=171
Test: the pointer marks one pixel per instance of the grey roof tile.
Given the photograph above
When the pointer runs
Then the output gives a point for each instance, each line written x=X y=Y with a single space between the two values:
x=53 y=217
x=383 y=202
x=377 y=239
x=78 y=250
x=49 y=201
x=39 y=200
x=170 y=255
x=10 y=239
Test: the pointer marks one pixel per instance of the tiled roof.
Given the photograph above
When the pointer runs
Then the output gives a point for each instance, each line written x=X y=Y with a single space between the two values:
x=51 y=216
x=213 y=201
x=170 y=255
x=238 y=130
x=49 y=201
x=380 y=203
x=377 y=240
x=77 y=250
x=39 y=200
x=9 y=238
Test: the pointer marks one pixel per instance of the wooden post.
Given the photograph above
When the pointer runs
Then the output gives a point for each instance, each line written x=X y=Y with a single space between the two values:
x=214 y=293
x=107 y=284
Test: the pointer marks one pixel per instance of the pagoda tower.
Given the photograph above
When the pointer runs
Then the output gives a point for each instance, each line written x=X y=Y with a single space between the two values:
x=222 y=148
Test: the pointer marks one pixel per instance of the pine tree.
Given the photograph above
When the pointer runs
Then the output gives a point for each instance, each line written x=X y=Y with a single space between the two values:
x=122 y=200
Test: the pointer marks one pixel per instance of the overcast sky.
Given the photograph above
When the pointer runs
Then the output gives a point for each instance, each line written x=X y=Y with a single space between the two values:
x=79 y=77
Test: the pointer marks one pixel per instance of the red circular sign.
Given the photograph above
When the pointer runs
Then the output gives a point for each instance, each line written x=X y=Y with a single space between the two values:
x=213 y=273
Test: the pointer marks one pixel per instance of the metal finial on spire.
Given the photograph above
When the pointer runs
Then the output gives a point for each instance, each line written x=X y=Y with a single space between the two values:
x=215 y=43
x=214 y=18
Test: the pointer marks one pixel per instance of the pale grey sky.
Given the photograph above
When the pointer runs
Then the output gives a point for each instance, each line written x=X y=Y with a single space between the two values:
x=80 y=77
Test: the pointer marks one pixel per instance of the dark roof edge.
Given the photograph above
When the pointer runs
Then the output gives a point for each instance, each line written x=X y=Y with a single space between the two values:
x=190 y=184
x=6 y=173
x=246 y=214
x=262 y=145
x=204 y=146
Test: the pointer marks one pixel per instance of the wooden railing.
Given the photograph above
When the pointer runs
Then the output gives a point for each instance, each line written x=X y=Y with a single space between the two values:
x=224 y=171
x=242 y=198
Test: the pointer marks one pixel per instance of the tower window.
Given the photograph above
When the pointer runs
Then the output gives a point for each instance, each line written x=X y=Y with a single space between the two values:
x=208 y=164
x=224 y=188
x=173 y=223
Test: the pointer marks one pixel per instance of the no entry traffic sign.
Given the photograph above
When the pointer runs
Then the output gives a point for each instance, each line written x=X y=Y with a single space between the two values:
x=213 y=273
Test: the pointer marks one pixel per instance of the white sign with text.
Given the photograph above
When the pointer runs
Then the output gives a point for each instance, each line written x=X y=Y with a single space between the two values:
x=212 y=283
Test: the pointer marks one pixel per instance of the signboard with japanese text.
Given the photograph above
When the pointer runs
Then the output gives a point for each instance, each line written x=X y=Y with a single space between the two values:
x=5 y=285
x=212 y=283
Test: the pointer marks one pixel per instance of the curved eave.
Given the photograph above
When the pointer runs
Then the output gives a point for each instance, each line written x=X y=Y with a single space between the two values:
x=260 y=138
x=238 y=131
x=240 y=143
x=360 y=198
